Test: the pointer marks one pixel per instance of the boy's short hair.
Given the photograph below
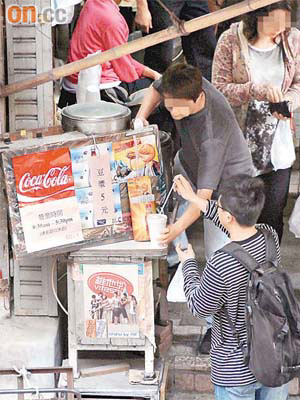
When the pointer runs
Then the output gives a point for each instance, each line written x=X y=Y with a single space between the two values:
x=244 y=197
x=182 y=81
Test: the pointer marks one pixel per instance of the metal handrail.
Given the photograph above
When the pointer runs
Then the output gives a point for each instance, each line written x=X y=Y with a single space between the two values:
x=35 y=391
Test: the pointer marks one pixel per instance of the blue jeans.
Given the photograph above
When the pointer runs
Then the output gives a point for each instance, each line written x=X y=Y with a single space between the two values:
x=254 y=391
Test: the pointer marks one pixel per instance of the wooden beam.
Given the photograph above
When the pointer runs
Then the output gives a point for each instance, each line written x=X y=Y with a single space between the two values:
x=105 y=369
x=135 y=45
x=34 y=133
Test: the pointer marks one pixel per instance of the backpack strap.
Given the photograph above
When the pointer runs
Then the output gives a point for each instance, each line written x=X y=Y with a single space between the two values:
x=271 y=249
x=239 y=253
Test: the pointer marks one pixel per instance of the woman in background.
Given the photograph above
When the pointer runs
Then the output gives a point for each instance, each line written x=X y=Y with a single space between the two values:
x=257 y=62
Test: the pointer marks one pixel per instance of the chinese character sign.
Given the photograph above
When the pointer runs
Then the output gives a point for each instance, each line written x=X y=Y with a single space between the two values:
x=48 y=206
x=101 y=182
x=111 y=300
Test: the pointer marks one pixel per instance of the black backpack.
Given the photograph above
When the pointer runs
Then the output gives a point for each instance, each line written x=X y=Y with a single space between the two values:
x=272 y=351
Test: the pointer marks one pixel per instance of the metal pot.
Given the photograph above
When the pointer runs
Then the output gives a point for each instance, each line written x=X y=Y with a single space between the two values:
x=100 y=117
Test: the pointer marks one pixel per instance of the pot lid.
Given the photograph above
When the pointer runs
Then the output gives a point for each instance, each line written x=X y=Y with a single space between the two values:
x=99 y=110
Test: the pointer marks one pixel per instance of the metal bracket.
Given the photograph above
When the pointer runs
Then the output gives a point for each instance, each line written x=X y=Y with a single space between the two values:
x=51 y=370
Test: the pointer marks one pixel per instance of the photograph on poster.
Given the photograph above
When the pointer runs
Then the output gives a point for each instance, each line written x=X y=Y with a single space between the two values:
x=111 y=300
x=135 y=158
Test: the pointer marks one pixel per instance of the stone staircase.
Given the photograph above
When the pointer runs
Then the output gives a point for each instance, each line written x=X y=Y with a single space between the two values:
x=189 y=371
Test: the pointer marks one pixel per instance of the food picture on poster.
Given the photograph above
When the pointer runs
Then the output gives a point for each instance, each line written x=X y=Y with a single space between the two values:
x=142 y=203
x=111 y=301
x=46 y=198
x=135 y=157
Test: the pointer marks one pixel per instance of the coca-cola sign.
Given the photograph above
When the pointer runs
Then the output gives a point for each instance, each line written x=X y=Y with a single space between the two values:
x=44 y=176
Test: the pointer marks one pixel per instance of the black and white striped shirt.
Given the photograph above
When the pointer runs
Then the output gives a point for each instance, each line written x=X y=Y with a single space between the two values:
x=223 y=283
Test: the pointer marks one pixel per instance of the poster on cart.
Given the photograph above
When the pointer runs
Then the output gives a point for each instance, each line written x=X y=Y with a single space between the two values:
x=111 y=300
x=48 y=207
x=99 y=199
x=136 y=157
x=71 y=190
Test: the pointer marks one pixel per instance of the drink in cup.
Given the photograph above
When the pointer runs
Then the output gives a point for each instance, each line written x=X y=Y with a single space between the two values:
x=156 y=224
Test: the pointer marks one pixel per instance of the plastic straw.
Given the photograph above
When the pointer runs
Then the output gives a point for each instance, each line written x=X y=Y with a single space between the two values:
x=167 y=198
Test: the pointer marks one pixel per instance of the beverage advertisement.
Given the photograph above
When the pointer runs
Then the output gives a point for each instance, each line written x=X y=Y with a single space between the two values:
x=99 y=199
x=135 y=157
x=46 y=197
x=111 y=300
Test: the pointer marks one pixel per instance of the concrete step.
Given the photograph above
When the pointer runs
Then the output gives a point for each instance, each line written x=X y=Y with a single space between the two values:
x=189 y=374
x=189 y=396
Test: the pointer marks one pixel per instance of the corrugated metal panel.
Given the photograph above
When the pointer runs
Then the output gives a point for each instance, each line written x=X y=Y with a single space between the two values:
x=29 y=52
x=32 y=287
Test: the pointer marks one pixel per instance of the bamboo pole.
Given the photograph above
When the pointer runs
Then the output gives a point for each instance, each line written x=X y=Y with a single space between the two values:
x=139 y=44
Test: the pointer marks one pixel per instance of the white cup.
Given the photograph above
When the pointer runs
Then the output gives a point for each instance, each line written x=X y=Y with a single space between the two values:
x=156 y=224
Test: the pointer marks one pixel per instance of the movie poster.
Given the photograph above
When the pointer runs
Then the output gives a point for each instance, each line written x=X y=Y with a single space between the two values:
x=111 y=300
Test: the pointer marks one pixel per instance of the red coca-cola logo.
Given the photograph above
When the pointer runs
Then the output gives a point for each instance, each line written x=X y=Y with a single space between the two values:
x=54 y=177
x=43 y=176
x=109 y=283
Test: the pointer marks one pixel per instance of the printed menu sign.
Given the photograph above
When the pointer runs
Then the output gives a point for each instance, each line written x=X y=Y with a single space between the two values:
x=99 y=199
x=46 y=196
x=103 y=197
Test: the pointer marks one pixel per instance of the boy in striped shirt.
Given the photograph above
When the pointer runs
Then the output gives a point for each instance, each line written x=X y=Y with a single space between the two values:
x=224 y=283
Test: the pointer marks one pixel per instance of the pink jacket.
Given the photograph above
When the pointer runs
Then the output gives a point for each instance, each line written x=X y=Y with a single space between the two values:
x=101 y=26
x=231 y=75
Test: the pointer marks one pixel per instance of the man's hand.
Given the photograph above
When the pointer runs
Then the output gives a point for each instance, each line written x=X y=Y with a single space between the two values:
x=157 y=75
x=184 y=188
x=169 y=234
x=151 y=73
x=184 y=255
x=143 y=18
x=139 y=123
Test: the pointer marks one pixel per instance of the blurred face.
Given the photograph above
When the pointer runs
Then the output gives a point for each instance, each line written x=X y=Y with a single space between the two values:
x=274 y=23
x=182 y=108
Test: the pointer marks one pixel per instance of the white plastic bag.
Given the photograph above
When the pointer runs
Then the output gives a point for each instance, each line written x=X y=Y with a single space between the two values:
x=283 y=149
x=86 y=78
x=294 y=221
x=175 y=293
